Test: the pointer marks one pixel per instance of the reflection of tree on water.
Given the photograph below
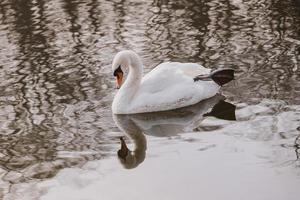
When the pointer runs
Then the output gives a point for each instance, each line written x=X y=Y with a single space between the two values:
x=259 y=40
x=177 y=26
x=120 y=29
x=32 y=139
x=95 y=16
x=297 y=146
x=41 y=91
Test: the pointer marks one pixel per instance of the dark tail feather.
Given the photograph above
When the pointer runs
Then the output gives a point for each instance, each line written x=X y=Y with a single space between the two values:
x=222 y=76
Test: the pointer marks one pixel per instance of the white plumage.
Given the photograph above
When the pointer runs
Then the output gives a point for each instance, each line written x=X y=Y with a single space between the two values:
x=168 y=86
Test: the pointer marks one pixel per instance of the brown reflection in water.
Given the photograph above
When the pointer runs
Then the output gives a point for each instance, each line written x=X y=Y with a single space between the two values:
x=177 y=29
x=32 y=140
x=39 y=97
x=297 y=146
x=95 y=16
x=119 y=10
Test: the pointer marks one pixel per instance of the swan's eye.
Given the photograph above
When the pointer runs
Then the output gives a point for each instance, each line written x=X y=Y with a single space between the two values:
x=118 y=71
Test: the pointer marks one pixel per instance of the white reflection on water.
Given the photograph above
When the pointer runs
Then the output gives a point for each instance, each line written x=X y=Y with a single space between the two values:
x=166 y=124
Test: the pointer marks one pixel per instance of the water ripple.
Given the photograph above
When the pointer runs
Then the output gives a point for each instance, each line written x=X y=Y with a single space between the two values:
x=55 y=75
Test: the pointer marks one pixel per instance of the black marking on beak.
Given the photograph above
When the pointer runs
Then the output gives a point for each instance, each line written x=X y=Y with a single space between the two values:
x=118 y=70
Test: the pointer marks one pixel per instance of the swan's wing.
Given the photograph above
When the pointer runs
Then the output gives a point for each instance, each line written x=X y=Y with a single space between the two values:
x=171 y=85
x=189 y=69
x=170 y=74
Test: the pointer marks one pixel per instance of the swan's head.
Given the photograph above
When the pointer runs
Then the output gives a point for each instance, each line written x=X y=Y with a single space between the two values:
x=120 y=63
x=126 y=157
x=130 y=159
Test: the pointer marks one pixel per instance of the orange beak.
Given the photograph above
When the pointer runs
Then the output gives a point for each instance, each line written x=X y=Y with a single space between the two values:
x=119 y=79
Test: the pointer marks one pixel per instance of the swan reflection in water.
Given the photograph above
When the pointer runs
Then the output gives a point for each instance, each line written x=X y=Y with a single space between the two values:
x=166 y=123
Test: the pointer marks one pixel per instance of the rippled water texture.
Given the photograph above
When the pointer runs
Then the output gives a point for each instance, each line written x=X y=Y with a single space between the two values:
x=58 y=137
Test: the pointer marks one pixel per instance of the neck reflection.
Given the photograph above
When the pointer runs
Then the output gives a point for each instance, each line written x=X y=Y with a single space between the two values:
x=131 y=159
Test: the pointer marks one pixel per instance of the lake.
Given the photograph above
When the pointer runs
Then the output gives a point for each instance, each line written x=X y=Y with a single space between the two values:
x=60 y=140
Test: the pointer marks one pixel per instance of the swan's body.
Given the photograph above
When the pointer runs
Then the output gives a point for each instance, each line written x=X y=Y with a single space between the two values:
x=169 y=86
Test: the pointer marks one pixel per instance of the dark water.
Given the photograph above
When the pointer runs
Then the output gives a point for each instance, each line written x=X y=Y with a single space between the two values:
x=57 y=87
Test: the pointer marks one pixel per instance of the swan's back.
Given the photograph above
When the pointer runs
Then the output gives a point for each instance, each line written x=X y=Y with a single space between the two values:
x=171 y=85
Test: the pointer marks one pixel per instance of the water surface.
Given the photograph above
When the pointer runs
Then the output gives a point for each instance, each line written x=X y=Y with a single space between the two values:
x=59 y=139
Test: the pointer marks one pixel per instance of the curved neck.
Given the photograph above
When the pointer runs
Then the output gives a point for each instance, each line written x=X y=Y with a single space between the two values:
x=135 y=72
x=133 y=80
x=125 y=95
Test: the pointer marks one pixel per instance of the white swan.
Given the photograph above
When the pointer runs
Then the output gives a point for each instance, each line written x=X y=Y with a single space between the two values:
x=169 y=86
